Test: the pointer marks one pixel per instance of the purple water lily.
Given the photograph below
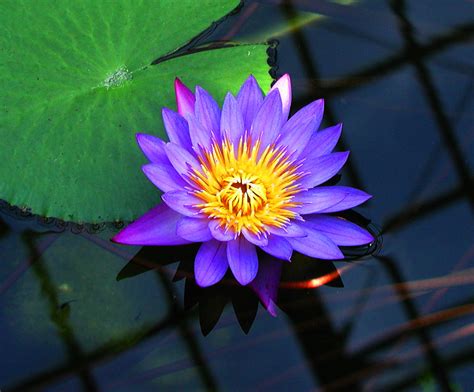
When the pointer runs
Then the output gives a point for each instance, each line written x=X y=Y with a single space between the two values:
x=246 y=177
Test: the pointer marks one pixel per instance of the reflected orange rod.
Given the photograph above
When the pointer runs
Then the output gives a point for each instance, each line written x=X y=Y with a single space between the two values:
x=442 y=341
x=316 y=282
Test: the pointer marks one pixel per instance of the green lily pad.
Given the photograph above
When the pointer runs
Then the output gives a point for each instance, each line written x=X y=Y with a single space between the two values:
x=77 y=84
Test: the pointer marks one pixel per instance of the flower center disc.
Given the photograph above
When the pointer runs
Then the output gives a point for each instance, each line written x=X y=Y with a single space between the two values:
x=245 y=188
x=243 y=194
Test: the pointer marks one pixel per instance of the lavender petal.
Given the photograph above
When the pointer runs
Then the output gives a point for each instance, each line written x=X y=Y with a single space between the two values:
x=219 y=233
x=316 y=245
x=290 y=230
x=194 y=229
x=298 y=130
x=232 y=121
x=207 y=111
x=259 y=240
x=339 y=230
x=182 y=160
x=242 y=258
x=200 y=137
x=268 y=121
x=153 y=148
x=250 y=99
x=329 y=199
x=164 y=177
x=322 y=142
x=183 y=202
x=176 y=128
x=278 y=247
x=211 y=263
x=320 y=169
x=156 y=227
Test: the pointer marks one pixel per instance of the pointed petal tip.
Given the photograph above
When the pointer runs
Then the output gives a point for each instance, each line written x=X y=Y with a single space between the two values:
x=184 y=97
x=337 y=129
x=147 y=169
x=140 y=138
x=121 y=239
x=284 y=81
x=201 y=91
x=178 y=82
x=115 y=239
x=180 y=87
x=319 y=103
x=251 y=78
x=283 y=85
x=272 y=308
x=370 y=238
x=250 y=82
x=152 y=147
x=203 y=281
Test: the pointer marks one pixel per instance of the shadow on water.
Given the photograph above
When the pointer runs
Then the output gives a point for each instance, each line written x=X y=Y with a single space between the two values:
x=392 y=317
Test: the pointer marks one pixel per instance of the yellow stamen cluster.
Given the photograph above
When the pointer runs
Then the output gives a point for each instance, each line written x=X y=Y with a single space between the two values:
x=245 y=188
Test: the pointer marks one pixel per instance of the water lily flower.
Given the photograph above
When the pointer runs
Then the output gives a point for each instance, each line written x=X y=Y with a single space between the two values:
x=246 y=177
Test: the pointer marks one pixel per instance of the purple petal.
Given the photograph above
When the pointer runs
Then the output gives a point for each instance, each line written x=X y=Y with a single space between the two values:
x=249 y=98
x=219 y=233
x=232 y=121
x=329 y=199
x=322 y=168
x=265 y=284
x=317 y=199
x=183 y=202
x=339 y=230
x=152 y=147
x=348 y=197
x=267 y=123
x=207 y=111
x=259 y=240
x=290 y=230
x=182 y=160
x=192 y=229
x=164 y=177
x=200 y=136
x=156 y=227
x=176 y=128
x=185 y=99
x=316 y=245
x=210 y=264
x=278 y=247
x=322 y=142
x=242 y=258
x=297 y=131
x=284 y=87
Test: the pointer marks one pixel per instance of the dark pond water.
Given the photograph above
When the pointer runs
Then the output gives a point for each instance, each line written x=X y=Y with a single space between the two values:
x=75 y=315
